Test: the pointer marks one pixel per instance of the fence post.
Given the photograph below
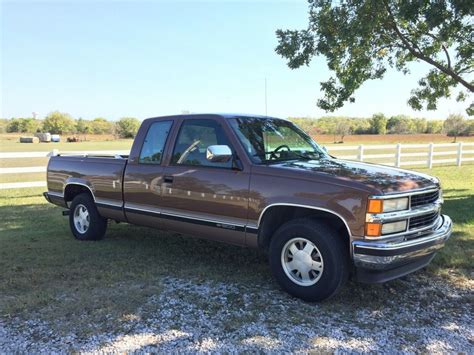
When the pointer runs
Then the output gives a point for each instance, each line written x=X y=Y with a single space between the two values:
x=430 y=156
x=360 y=156
x=398 y=155
x=459 y=159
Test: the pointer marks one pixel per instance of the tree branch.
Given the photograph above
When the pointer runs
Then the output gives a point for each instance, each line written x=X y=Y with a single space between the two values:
x=418 y=54
x=444 y=49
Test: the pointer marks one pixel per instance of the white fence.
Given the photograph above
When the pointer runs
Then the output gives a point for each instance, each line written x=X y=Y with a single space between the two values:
x=392 y=154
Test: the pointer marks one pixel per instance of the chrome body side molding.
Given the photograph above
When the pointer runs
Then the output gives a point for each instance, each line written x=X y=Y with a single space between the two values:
x=307 y=207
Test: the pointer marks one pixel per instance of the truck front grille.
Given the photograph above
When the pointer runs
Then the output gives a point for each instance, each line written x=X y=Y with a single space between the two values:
x=425 y=220
x=424 y=199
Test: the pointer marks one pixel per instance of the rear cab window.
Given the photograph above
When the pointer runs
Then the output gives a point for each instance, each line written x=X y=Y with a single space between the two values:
x=154 y=143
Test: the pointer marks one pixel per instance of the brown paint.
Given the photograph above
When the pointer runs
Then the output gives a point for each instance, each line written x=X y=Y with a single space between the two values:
x=227 y=196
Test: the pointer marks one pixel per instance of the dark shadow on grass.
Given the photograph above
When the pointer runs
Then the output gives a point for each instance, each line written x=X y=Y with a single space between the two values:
x=459 y=208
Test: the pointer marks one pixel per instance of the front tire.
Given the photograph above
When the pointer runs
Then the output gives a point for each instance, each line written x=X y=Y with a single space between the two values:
x=84 y=220
x=309 y=260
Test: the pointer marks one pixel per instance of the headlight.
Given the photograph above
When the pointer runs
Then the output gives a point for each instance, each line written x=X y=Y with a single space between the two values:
x=388 y=205
x=394 y=227
x=396 y=204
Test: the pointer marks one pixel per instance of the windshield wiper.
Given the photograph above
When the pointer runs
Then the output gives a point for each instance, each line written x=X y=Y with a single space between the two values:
x=308 y=155
x=296 y=156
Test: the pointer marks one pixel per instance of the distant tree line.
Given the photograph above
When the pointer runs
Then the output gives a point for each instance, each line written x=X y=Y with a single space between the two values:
x=339 y=127
x=62 y=123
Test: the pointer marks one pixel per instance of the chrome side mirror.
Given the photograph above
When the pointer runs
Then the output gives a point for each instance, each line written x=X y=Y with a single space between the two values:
x=218 y=153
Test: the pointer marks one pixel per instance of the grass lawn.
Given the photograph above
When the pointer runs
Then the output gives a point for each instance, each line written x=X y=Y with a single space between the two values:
x=13 y=145
x=48 y=274
x=10 y=143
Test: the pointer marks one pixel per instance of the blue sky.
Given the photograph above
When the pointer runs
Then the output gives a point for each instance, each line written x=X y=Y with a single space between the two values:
x=142 y=58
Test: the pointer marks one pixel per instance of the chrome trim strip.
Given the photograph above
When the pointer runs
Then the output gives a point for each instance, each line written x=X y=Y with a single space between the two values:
x=304 y=206
x=141 y=209
x=399 y=215
x=447 y=224
x=404 y=194
x=202 y=219
x=161 y=212
x=406 y=232
x=384 y=255
x=104 y=201
x=57 y=194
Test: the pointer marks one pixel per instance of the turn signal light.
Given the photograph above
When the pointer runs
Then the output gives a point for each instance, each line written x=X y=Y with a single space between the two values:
x=375 y=206
x=373 y=229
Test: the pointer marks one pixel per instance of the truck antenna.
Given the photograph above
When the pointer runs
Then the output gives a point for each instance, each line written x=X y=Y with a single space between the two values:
x=266 y=112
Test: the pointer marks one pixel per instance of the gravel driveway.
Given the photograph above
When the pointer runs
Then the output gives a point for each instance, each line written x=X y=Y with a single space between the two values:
x=420 y=313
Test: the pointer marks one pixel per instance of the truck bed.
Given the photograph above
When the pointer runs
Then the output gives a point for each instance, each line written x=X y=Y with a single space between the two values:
x=102 y=175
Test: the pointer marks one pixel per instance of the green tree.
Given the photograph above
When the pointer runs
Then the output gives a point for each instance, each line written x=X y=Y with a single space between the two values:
x=361 y=126
x=3 y=125
x=82 y=126
x=327 y=125
x=309 y=125
x=454 y=126
x=420 y=125
x=23 y=125
x=58 y=123
x=469 y=131
x=378 y=124
x=434 y=126
x=101 y=126
x=361 y=39
x=14 y=125
x=127 y=127
x=343 y=127
x=400 y=124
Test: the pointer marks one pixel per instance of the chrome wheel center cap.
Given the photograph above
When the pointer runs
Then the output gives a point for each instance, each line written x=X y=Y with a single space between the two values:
x=302 y=261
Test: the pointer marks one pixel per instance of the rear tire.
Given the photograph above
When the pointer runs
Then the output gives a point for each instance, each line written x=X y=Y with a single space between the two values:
x=84 y=220
x=309 y=260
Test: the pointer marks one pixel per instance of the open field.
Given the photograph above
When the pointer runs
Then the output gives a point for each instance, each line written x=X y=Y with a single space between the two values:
x=10 y=143
x=13 y=145
x=142 y=289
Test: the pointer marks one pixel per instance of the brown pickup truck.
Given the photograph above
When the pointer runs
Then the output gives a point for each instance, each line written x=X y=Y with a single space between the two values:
x=259 y=182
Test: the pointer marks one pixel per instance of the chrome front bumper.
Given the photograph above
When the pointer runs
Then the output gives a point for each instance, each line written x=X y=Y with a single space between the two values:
x=383 y=261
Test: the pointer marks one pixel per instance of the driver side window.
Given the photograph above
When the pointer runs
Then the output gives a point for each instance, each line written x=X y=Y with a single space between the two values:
x=193 y=139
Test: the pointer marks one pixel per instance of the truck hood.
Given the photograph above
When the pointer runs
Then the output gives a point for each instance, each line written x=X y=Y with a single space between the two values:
x=379 y=177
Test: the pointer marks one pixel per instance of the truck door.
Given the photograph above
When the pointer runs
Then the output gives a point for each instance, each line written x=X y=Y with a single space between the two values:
x=143 y=178
x=199 y=197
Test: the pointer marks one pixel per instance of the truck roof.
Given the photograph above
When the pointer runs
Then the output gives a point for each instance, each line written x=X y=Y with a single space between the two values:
x=221 y=115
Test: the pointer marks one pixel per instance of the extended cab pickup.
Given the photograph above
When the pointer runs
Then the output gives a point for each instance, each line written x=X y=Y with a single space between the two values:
x=259 y=182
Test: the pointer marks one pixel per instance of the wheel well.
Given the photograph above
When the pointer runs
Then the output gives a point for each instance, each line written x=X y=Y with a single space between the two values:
x=276 y=216
x=72 y=190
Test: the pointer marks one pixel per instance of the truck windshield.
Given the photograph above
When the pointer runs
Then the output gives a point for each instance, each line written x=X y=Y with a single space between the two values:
x=271 y=140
